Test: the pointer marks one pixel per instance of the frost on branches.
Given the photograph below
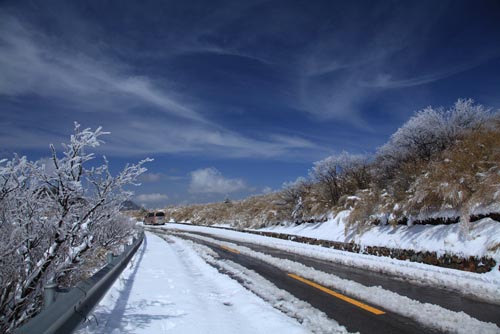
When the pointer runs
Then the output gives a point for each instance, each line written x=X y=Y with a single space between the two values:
x=340 y=175
x=54 y=216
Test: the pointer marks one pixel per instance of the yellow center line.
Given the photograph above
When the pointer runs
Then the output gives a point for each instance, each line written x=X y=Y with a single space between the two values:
x=338 y=295
x=232 y=250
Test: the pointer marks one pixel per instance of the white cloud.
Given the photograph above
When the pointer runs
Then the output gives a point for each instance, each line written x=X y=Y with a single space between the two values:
x=210 y=180
x=151 y=198
x=267 y=190
x=150 y=177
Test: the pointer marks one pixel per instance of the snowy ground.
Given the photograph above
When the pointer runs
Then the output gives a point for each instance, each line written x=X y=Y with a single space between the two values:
x=429 y=315
x=481 y=238
x=169 y=288
x=483 y=286
x=172 y=287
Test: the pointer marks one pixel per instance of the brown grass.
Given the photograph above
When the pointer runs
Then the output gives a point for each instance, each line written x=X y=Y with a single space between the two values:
x=462 y=177
x=465 y=178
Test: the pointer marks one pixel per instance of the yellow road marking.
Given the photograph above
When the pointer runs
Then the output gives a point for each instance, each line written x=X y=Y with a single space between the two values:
x=338 y=295
x=232 y=250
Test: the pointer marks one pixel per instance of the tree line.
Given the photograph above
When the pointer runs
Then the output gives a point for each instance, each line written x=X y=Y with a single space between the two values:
x=439 y=160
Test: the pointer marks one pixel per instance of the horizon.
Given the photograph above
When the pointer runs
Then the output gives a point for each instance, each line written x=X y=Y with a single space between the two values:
x=233 y=99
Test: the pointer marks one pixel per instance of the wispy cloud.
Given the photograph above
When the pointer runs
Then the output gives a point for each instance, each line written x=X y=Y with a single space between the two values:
x=150 y=177
x=164 y=136
x=32 y=64
x=387 y=81
x=211 y=181
x=151 y=197
x=360 y=57
x=158 y=177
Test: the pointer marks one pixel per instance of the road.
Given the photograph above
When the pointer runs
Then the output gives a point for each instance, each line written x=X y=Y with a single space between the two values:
x=168 y=288
x=355 y=315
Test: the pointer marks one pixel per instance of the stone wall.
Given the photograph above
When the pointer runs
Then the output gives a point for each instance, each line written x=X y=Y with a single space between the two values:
x=472 y=264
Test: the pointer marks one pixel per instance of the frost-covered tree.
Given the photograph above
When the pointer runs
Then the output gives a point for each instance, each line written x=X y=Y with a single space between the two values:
x=340 y=175
x=465 y=115
x=423 y=135
x=292 y=191
x=293 y=194
x=432 y=130
x=426 y=134
x=51 y=216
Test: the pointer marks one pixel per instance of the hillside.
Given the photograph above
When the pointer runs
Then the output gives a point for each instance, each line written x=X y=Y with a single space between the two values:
x=440 y=168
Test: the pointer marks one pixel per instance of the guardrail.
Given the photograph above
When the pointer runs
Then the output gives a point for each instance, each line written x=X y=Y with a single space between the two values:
x=64 y=311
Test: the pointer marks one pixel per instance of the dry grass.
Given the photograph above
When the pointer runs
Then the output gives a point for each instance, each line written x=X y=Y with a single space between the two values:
x=254 y=212
x=463 y=179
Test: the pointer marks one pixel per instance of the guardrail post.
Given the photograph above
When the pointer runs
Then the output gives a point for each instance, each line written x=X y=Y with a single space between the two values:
x=110 y=257
x=49 y=293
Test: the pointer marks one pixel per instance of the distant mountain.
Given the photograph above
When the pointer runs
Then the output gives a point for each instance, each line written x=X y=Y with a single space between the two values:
x=129 y=206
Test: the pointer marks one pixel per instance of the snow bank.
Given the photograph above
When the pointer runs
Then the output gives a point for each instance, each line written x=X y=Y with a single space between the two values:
x=169 y=288
x=474 y=239
x=311 y=318
x=482 y=286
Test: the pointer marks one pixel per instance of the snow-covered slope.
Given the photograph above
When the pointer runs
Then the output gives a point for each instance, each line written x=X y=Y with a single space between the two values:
x=481 y=238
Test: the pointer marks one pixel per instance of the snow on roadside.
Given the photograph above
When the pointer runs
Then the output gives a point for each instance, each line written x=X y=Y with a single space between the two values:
x=474 y=239
x=170 y=288
x=311 y=318
x=427 y=314
x=482 y=286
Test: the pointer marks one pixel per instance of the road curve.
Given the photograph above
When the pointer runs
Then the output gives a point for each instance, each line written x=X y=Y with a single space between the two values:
x=350 y=315
x=445 y=298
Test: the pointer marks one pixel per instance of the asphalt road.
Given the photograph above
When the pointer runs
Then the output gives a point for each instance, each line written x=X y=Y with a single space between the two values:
x=348 y=314
x=446 y=298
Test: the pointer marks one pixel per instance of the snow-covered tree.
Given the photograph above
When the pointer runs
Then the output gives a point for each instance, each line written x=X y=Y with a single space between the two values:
x=432 y=130
x=421 y=136
x=293 y=193
x=51 y=216
x=426 y=134
x=465 y=115
x=340 y=175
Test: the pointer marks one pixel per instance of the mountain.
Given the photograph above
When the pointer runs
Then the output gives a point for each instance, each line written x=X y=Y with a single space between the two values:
x=129 y=206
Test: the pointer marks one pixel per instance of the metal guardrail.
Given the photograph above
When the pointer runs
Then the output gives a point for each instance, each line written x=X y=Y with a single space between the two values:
x=68 y=309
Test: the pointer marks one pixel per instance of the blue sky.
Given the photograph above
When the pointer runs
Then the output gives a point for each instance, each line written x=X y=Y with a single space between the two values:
x=233 y=98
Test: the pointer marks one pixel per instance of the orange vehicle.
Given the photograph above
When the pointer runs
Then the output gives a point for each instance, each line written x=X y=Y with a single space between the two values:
x=155 y=218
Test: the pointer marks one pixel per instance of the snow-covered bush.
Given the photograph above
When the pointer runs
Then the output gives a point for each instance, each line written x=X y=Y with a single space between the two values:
x=463 y=180
x=52 y=217
x=293 y=195
x=340 y=175
x=429 y=132
x=434 y=166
